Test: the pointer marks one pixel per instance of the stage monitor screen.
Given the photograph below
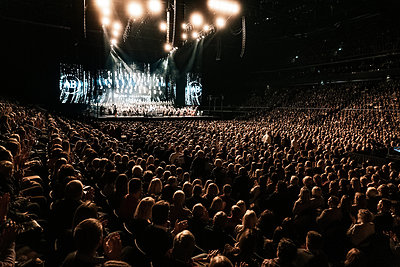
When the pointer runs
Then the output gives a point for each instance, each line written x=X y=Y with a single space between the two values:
x=74 y=84
x=193 y=90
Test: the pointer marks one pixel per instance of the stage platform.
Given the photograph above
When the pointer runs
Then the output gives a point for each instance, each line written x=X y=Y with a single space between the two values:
x=155 y=118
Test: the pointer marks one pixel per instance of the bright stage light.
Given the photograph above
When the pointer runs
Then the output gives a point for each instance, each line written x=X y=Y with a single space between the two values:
x=115 y=33
x=196 y=19
x=154 y=6
x=195 y=35
x=168 y=47
x=220 y=22
x=224 y=6
x=105 y=21
x=106 y=11
x=184 y=36
x=135 y=9
x=113 y=41
x=184 y=26
x=117 y=26
x=103 y=3
x=235 y=8
x=163 y=26
x=206 y=28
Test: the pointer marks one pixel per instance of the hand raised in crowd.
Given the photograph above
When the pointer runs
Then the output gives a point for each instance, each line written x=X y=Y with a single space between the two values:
x=112 y=246
x=8 y=235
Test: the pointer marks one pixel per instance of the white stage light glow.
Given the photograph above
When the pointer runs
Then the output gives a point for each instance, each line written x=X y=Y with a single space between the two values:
x=113 y=41
x=206 y=28
x=196 y=19
x=115 y=33
x=135 y=9
x=103 y=3
x=220 y=22
x=155 y=6
x=224 y=6
x=168 y=47
x=195 y=35
x=184 y=36
x=163 y=26
x=105 y=21
x=106 y=11
x=117 y=26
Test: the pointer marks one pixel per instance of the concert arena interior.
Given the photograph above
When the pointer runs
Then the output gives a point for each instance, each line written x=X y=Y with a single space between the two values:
x=221 y=133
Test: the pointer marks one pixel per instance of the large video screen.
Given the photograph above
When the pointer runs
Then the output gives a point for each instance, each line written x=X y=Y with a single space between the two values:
x=125 y=85
x=75 y=84
x=193 y=89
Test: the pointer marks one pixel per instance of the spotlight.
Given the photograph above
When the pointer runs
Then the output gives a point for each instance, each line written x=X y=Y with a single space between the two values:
x=106 y=11
x=184 y=36
x=206 y=28
x=103 y=3
x=113 y=41
x=184 y=26
x=115 y=33
x=154 y=6
x=105 y=21
x=224 y=6
x=195 y=35
x=167 y=47
x=220 y=22
x=235 y=8
x=135 y=9
x=163 y=26
x=196 y=19
x=117 y=26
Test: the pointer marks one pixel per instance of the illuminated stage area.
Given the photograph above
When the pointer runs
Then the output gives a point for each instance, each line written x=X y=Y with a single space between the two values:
x=130 y=90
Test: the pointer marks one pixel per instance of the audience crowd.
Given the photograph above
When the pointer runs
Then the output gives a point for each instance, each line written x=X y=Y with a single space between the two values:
x=281 y=188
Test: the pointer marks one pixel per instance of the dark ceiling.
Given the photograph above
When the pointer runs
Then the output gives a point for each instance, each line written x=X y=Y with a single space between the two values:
x=38 y=34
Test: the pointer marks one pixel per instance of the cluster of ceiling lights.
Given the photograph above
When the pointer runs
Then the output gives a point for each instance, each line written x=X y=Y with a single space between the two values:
x=135 y=9
x=196 y=28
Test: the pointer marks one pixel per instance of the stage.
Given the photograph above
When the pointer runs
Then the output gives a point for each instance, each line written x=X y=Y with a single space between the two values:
x=153 y=118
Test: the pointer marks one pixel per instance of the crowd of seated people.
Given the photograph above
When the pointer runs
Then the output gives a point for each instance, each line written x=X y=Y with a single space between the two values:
x=278 y=189
x=353 y=95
